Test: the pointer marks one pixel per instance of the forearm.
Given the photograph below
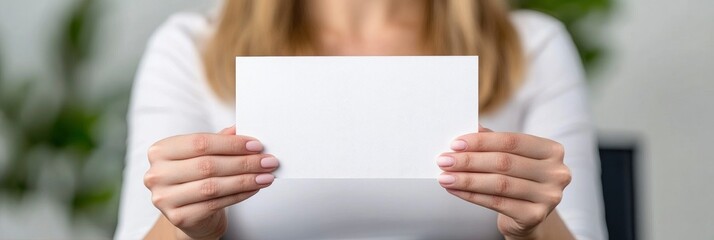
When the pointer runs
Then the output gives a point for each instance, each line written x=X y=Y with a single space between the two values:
x=552 y=228
x=162 y=229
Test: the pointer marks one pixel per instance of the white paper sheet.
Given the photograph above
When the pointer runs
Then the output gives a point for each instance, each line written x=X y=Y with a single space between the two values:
x=357 y=117
x=365 y=209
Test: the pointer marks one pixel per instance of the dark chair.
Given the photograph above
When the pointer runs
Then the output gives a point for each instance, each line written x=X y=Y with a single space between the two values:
x=618 y=185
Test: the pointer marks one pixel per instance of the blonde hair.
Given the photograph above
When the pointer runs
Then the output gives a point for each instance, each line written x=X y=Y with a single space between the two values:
x=453 y=27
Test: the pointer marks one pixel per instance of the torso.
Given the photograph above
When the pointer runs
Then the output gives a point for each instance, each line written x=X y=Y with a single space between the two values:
x=362 y=209
x=365 y=209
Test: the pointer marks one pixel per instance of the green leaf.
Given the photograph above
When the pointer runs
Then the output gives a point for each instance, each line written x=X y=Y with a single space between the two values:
x=76 y=40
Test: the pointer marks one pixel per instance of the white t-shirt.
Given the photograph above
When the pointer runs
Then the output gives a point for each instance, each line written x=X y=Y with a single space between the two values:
x=171 y=97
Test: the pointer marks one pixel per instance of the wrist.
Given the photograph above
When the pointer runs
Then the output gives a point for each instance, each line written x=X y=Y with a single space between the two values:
x=552 y=228
x=533 y=234
x=180 y=235
x=217 y=227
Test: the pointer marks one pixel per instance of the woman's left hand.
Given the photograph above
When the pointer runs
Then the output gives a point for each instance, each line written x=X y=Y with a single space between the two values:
x=520 y=176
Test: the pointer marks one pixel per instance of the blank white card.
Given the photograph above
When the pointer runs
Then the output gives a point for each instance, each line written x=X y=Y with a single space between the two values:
x=357 y=117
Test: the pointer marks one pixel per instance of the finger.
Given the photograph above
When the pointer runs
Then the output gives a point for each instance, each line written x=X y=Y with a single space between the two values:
x=495 y=184
x=520 y=144
x=483 y=129
x=523 y=212
x=188 y=217
x=210 y=188
x=194 y=145
x=211 y=166
x=228 y=131
x=493 y=162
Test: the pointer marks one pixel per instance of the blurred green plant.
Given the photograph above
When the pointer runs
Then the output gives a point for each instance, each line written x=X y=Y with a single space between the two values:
x=58 y=139
x=573 y=14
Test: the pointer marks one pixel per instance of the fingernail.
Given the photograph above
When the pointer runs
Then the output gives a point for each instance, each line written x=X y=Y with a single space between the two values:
x=264 y=178
x=445 y=161
x=446 y=179
x=269 y=162
x=458 y=145
x=254 y=146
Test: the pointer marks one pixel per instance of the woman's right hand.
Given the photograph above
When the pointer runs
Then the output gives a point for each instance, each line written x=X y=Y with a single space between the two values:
x=193 y=177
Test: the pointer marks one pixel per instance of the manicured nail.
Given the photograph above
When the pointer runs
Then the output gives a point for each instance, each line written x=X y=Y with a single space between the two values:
x=254 y=146
x=264 y=178
x=445 y=161
x=269 y=162
x=458 y=145
x=446 y=179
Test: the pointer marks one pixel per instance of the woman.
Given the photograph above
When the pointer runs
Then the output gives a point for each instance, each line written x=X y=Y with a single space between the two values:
x=531 y=94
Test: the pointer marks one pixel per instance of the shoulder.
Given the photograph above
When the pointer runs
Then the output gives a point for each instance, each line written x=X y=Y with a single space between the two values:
x=536 y=30
x=185 y=31
x=172 y=54
x=171 y=68
x=175 y=47
x=547 y=43
x=552 y=65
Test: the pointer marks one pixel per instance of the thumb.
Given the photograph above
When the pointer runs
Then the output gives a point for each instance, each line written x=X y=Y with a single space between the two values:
x=483 y=129
x=228 y=131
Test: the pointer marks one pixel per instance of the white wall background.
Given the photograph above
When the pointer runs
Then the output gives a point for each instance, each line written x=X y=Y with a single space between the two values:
x=658 y=84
